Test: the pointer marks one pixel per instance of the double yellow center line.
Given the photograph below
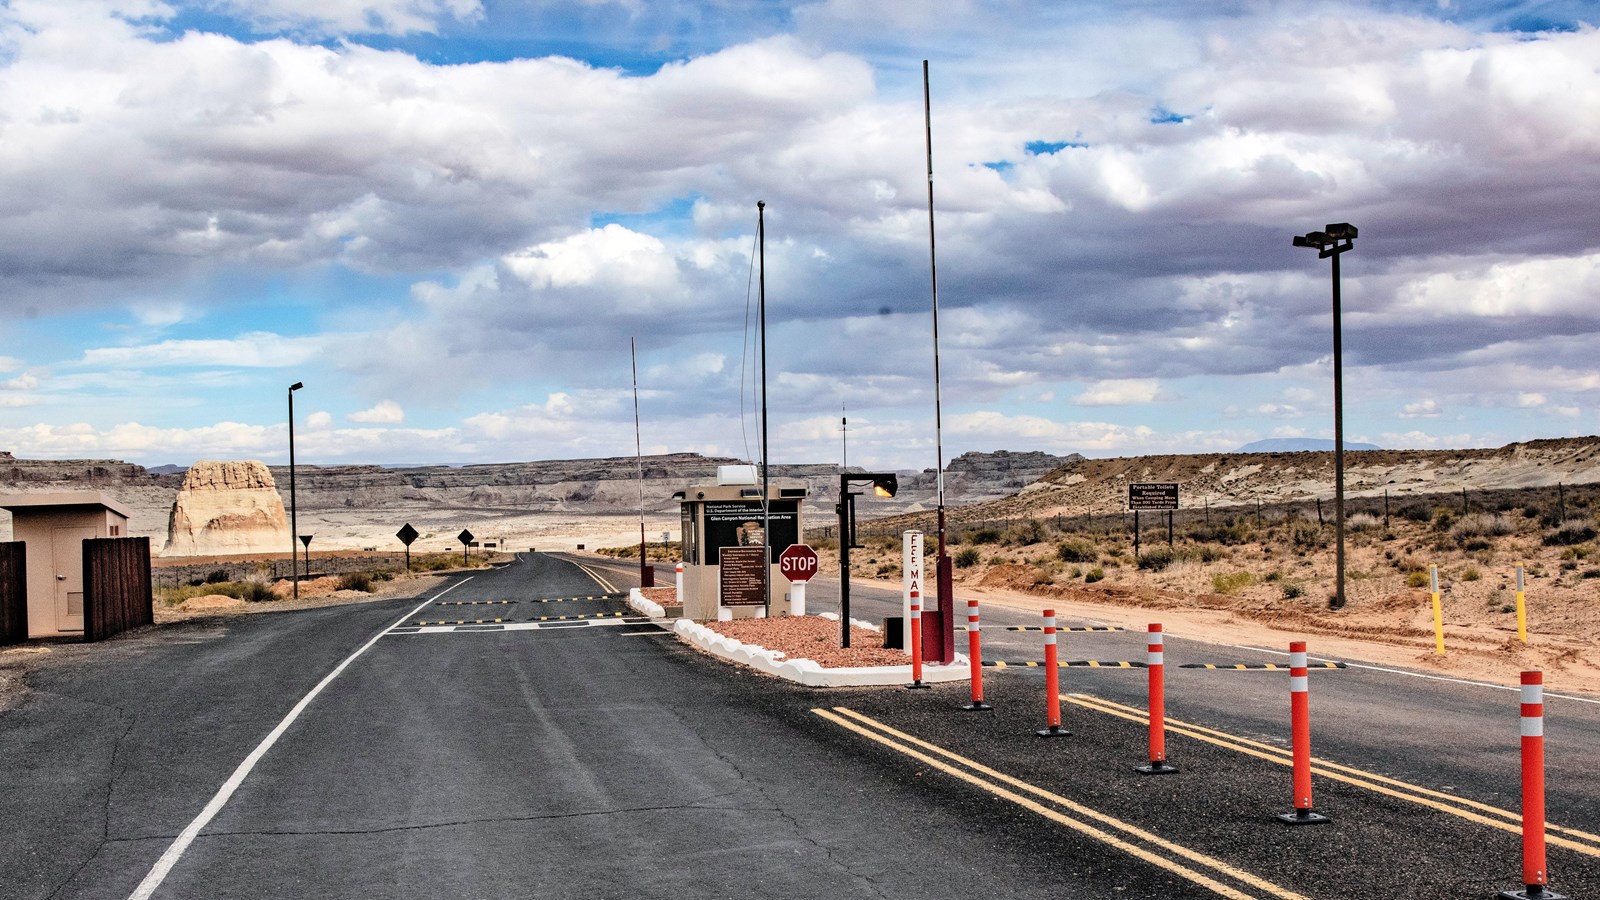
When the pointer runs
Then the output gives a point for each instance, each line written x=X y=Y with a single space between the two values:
x=1471 y=810
x=1198 y=868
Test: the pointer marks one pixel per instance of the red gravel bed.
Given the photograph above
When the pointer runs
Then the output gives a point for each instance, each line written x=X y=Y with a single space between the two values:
x=814 y=638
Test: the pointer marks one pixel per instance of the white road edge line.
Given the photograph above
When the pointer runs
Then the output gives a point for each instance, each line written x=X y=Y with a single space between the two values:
x=1487 y=684
x=158 y=872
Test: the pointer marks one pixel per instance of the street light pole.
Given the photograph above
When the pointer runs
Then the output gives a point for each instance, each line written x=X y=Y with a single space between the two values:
x=294 y=526
x=1331 y=242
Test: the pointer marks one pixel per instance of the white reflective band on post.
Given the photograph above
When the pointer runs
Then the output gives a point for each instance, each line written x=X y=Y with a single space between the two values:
x=1533 y=693
x=1049 y=639
x=1155 y=658
x=1533 y=726
x=972 y=625
x=1156 y=639
x=1298 y=660
x=1299 y=684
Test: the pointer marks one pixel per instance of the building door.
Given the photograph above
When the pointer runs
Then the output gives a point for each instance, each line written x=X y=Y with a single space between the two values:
x=66 y=549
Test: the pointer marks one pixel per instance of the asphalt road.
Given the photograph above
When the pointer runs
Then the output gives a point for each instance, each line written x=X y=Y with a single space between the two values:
x=598 y=757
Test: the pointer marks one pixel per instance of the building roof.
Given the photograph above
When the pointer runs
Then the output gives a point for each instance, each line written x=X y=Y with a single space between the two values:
x=70 y=498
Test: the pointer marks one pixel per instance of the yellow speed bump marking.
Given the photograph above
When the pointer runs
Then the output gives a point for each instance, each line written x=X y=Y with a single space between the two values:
x=1450 y=803
x=991 y=780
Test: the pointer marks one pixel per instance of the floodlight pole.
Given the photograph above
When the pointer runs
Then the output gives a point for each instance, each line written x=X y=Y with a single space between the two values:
x=944 y=574
x=294 y=527
x=1333 y=241
x=766 y=490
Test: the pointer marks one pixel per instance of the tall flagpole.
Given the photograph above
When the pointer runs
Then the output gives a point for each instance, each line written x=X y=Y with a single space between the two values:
x=944 y=575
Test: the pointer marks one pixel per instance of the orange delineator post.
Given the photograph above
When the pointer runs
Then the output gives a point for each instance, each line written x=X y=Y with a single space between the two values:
x=1300 y=727
x=1052 y=680
x=1155 y=660
x=916 y=642
x=975 y=656
x=1535 y=875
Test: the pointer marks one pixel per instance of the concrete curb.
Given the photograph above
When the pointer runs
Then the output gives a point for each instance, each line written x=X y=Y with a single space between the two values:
x=638 y=602
x=808 y=672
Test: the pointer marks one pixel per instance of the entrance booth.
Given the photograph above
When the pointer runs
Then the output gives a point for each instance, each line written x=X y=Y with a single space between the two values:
x=54 y=527
x=728 y=516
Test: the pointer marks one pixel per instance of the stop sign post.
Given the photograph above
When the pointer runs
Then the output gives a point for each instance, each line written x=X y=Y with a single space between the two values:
x=798 y=563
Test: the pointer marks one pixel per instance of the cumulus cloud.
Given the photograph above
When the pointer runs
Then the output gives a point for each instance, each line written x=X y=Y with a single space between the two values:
x=354 y=16
x=1121 y=392
x=255 y=350
x=386 y=412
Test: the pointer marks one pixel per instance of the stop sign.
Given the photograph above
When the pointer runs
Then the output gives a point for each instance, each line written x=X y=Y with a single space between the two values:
x=798 y=563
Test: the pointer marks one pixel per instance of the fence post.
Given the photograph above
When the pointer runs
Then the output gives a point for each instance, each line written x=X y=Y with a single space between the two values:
x=1522 y=608
x=1438 y=611
x=1300 y=729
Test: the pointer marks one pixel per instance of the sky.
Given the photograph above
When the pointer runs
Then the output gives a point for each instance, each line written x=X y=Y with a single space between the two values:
x=453 y=219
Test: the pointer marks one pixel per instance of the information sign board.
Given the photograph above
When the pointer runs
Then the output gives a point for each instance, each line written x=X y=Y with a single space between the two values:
x=1152 y=496
x=740 y=577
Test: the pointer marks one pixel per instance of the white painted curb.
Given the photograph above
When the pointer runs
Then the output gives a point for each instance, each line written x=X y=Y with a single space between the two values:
x=638 y=602
x=807 y=671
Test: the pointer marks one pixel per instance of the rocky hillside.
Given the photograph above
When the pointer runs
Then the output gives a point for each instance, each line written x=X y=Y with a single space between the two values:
x=582 y=486
x=1230 y=479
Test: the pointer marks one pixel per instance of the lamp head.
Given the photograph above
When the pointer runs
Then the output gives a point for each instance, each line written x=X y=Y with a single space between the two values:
x=296 y=386
x=885 y=485
x=1341 y=231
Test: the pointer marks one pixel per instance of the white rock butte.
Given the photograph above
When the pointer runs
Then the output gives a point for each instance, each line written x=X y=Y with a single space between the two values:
x=226 y=508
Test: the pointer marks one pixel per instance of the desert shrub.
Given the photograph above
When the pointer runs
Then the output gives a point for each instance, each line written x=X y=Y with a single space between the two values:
x=822 y=543
x=1572 y=531
x=217 y=577
x=1361 y=521
x=1093 y=575
x=1231 y=582
x=355 y=581
x=1418 y=579
x=1291 y=590
x=1077 y=550
x=1307 y=536
x=1042 y=578
x=1157 y=560
x=1480 y=525
x=888 y=569
x=1590 y=573
x=1233 y=532
x=1471 y=575
x=1414 y=512
x=999 y=559
x=1206 y=553
x=1576 y=552
x=967 y=557
x=984 y=536
x=1028 y=531
x=1443 y=520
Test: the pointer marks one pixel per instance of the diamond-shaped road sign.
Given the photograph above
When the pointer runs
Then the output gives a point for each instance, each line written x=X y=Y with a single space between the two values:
x=407 y=534
x=465 y=536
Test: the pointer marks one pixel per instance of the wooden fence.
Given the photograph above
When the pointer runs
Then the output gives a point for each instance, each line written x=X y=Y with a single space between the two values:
x=116 y=586
x=13 y=592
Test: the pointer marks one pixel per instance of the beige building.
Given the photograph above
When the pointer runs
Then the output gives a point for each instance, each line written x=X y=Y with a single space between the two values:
x=54 y=526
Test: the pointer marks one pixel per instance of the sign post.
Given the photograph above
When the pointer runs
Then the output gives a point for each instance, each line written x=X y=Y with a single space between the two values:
x=465 y=537
x=1150 y=495
x=799 y=564
x=306 y=540
x=910 y=584
x=407 y=535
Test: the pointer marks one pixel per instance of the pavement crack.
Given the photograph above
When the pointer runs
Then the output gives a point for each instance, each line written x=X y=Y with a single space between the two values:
x=490 y=820
x=114 y=771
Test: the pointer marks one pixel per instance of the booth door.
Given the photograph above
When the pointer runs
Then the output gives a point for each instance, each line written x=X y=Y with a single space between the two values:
x=66 y=545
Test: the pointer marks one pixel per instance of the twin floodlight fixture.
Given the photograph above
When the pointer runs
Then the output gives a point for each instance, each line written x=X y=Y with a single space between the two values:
x=1332 y=239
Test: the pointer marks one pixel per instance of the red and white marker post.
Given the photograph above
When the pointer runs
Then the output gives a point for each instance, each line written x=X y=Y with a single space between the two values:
x=1300 y=726
x=917 y=683
x=1535 y=875
x=1052 y=680
x=679 y=582
x=975 y=656
x=1155 y=660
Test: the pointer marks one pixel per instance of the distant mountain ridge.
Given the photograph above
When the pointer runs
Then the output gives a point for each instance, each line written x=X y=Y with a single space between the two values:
x=1299 y=445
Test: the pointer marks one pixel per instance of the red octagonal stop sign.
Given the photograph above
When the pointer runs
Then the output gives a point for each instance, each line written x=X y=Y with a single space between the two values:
x=798 y=563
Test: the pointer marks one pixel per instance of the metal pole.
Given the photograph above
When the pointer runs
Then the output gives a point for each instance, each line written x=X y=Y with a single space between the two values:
x=294 y=519
x=766 y=492
x=943 y=572
x=1338 y=439
x=844 y=562
x=647 y=574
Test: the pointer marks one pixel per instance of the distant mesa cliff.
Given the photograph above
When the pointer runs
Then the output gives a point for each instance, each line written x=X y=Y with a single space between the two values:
x=227 y=508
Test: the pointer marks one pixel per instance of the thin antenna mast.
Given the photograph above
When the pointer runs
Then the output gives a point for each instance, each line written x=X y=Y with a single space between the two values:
x=766 y=506
x=647 y=573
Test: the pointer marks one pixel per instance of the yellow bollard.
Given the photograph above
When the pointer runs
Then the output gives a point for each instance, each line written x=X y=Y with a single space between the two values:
x=1438 y=612
x=1522 y=609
